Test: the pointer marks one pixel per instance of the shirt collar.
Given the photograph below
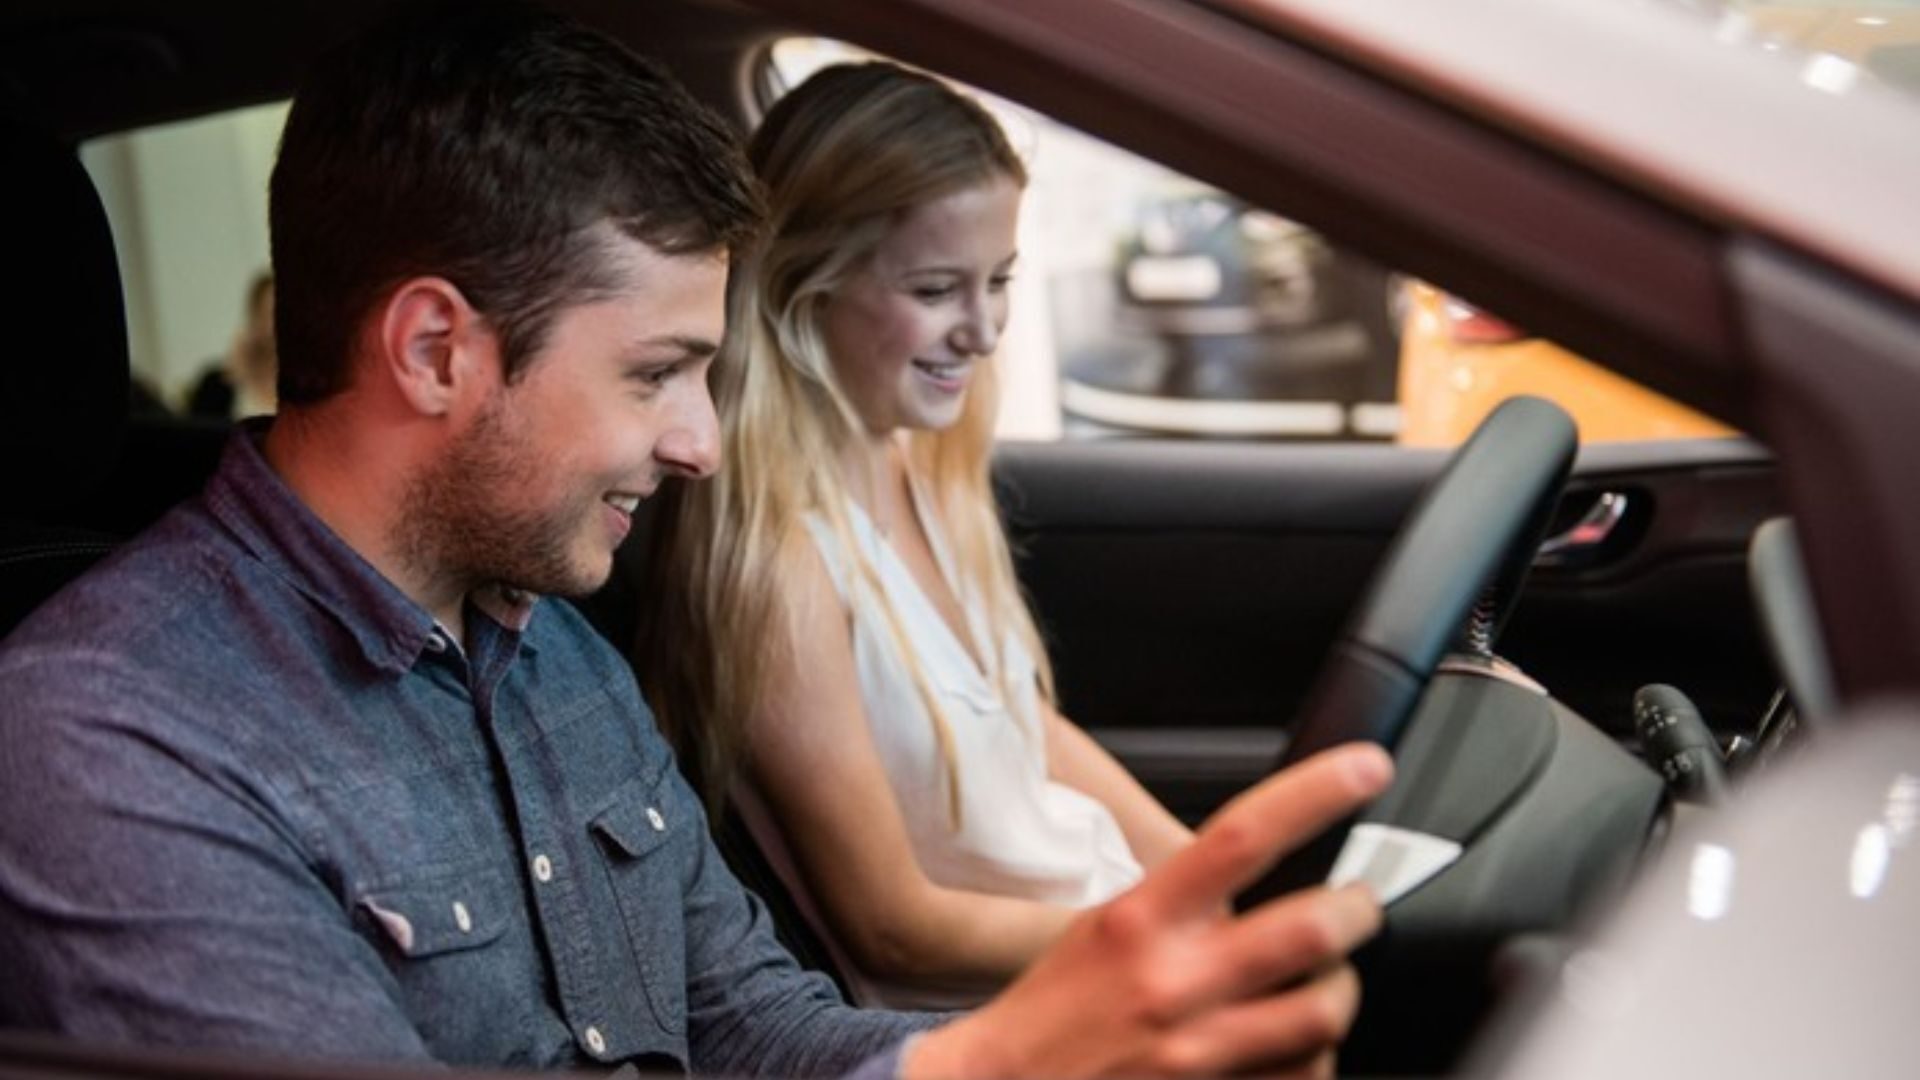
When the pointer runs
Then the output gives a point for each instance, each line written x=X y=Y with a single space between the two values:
x=508 y=606
x=271 y=522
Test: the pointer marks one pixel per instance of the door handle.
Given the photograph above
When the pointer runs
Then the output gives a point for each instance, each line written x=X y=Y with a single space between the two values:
x=1581 y=543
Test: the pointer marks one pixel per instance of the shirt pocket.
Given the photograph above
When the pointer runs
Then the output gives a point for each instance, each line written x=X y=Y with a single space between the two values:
x=445 y=936
x=637 y=841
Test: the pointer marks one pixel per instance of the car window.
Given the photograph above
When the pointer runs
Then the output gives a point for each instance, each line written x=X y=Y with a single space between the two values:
x=1148 y=303
x=188 y=206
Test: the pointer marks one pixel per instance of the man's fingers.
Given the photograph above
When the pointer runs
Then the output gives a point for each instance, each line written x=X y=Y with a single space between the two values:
x=1291 y=936
x=1286 y=939
x=1249 y=834
x=1300 y=1026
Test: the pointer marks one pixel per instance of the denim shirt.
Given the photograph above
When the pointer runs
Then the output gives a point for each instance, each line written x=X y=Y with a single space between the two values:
x=252 y=797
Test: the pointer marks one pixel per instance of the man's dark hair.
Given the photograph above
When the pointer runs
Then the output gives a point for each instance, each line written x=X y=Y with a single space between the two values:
x=484 y=145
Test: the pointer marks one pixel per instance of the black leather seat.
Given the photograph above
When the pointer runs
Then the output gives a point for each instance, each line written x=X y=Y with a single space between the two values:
x=63 y=381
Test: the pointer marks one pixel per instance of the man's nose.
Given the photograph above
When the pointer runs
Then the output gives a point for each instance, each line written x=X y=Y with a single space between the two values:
x=690 y=446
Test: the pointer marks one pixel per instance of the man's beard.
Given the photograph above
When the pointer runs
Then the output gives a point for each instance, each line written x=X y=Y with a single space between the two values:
x=459 y=526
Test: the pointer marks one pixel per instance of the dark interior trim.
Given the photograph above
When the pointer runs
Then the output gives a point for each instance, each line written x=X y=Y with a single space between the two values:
x=1848 y=445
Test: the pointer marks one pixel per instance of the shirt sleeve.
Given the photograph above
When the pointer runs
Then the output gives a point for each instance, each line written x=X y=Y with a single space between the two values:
x=884 y=1065
x=153 y=892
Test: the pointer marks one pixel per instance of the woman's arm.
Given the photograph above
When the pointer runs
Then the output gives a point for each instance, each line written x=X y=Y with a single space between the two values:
x=814 y=761
x=1074 y=759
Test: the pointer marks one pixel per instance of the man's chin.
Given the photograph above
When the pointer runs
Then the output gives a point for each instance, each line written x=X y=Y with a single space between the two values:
x=579 y=581
x=552 y=571
x=580 y=590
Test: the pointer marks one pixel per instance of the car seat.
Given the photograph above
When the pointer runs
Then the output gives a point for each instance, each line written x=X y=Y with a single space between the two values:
x=64 y=385
x=81 y=472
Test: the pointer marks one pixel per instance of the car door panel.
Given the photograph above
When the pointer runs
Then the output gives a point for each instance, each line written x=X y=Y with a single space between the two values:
x=1671 y=604
x=1188 y=591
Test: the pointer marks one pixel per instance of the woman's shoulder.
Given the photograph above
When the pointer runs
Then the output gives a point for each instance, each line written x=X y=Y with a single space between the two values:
x=814 y=575
x=828 y=554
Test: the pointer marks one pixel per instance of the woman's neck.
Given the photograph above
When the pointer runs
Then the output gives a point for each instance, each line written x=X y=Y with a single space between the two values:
x=875 y=472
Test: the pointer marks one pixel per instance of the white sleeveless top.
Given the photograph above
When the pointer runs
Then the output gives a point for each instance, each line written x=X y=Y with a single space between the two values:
x=1021 y=834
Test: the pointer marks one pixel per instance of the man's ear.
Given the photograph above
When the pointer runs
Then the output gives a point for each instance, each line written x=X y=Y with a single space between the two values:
x=433 y=345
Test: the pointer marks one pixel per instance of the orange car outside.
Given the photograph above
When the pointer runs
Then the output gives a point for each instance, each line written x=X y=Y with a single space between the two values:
x=1457 y=363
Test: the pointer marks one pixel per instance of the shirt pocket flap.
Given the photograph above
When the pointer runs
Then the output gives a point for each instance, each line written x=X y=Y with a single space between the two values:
x=447 y=914
x=634 y=823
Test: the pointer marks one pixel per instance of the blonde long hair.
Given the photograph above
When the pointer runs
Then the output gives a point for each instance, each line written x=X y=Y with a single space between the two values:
x=842 y=157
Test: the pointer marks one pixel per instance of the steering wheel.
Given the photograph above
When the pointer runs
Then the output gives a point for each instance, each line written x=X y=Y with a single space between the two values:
x=1462 y=553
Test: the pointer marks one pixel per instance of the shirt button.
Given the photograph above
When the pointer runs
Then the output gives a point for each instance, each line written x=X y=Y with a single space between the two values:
x=462 y=918
x=596 y=1042
x=654 y=819
x=543 y=868
x=436 y=643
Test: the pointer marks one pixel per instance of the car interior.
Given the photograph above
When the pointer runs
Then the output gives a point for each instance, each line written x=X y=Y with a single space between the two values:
x=1214 y=607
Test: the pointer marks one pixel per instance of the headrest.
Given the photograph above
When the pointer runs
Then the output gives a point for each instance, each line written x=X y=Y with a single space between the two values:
x=63 y=369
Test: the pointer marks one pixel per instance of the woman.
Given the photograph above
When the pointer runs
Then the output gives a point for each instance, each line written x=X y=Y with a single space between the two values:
x=242 y=385
x=841 y=645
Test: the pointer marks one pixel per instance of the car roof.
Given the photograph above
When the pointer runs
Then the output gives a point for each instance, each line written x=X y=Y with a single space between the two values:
x=91 y=67
x=1674 y=96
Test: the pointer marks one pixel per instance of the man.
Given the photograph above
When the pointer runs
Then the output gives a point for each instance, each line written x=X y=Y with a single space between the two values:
x=308 y=768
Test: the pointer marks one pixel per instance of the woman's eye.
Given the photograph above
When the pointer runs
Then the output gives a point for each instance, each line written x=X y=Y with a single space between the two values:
x=999 y=282
x=933 y=293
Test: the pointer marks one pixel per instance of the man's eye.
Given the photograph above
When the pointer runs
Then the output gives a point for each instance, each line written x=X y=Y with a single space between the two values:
x=652 y=378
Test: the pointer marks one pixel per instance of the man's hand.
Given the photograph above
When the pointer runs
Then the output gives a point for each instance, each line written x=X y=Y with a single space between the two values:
x=1164 y=980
